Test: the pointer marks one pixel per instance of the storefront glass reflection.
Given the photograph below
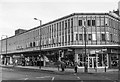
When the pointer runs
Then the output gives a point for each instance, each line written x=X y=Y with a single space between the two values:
x=114 y=60
x=96 y=58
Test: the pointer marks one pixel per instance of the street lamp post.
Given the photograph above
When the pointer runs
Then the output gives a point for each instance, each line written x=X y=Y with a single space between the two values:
x=40 y=42
x=85 y=57
x=1 y=51
x=6 y=46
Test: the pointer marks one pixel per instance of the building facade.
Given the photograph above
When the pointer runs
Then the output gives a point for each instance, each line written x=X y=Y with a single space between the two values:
x=64 y=39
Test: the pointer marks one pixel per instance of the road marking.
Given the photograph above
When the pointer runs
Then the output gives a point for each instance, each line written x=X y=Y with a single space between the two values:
x=107 y=78
x=26 y=79
x=74 y=73
x=53 y=78
x=78 y=77
x=11 y=69
x=43 y=77
x=114 y=81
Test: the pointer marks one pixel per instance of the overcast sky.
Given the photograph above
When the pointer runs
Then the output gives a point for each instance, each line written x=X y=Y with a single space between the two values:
x=15 y=14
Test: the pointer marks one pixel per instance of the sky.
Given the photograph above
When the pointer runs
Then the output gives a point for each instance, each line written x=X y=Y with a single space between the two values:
x=20 y=14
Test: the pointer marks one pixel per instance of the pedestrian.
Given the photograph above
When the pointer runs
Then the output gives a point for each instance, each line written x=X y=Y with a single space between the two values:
x=16 y=62
x=75 y=67
x=58 y=66
x=63 y=66
x=95 y=67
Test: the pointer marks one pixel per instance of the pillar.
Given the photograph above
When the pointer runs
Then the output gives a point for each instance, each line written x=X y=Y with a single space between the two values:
x=11 y=60
x=109 y=60
x=76 y=58
x=1 y=59
x=5 y=61
x=44 y=61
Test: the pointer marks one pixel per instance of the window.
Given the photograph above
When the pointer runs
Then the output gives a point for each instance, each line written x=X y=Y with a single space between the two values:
x=69 y=38
x=89 y=36
x=89 y=22
x=33 y=44
x=76 y=36
x=102 y=22
x=111 y=37
x=72 y=22
x=93 y=23
x=65 y=24
x=30 y=44
x=103 y=37
x=79 y=22
x=93 y=37
x=80 y=37
x=97 y=21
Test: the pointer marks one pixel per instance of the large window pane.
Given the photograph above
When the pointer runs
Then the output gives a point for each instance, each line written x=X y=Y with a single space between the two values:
x=103 y=37
x=80 y=22
x=80 y=37
x=89 y=36
x=77 y=37
x=89 y=22
x=93 y=23
x=102 y=22
x=93 y=36
x=97 y=22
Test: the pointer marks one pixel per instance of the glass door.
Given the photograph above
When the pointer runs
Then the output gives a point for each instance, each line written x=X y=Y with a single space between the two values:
x=92 y=62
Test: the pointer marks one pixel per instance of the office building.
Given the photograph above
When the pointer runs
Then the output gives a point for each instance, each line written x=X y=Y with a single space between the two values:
x=64 y=39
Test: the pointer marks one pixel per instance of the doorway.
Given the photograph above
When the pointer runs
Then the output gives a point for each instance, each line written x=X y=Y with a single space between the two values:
x=92 y=62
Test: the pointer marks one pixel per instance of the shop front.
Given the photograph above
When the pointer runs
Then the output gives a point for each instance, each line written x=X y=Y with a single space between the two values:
x=95 y=58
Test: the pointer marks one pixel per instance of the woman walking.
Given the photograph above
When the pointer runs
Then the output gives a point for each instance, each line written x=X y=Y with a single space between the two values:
x=75 y=67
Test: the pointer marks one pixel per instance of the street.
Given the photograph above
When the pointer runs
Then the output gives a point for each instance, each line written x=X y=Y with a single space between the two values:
x=11 y=73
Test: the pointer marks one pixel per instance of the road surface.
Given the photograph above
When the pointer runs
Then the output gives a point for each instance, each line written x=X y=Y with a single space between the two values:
x=11 y=73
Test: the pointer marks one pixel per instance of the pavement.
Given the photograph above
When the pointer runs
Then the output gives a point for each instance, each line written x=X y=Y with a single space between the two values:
x=67 y=70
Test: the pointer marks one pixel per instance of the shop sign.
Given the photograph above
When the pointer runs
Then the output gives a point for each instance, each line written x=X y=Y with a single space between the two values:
x=16 y=56
x=92 y=52
x=104 y=49
x=69 y=49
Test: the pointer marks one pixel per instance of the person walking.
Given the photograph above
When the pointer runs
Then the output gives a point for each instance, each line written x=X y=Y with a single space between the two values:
x=63 y=66
x=75 y=67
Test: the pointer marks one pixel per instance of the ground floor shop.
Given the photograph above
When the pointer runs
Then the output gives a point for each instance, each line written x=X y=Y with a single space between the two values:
x=96 y=57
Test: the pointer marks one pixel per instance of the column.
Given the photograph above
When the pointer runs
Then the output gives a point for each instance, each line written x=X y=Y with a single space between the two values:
x=1 y=59
x=88 y=61
x=76 y=58
x=96 y=60
x=11 y=60
x=5 y=61
x=109 y=60
x=44 y=61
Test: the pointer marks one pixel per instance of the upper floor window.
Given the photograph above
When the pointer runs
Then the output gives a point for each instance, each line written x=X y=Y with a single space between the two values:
x=65 y=24
x=33 y=44
x=72 y=22
x=103 y=37
x=111 y=37
x=89 y=22
x=80 y=37
x=102 y=22
x=93 y=36
x=89 y=36
x=76 y=36
x=93 y=23
x=30 y=44
x=80 y=22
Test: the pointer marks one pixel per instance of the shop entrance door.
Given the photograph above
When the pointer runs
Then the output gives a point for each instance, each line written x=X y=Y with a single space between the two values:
x=92 y=62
